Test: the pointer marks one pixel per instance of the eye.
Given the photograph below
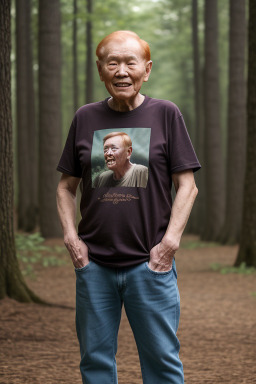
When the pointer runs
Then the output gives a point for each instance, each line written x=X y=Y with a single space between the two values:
x=113 y=149
x=131 y=63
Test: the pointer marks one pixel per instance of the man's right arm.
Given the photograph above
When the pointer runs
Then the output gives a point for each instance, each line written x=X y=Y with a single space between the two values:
x=66 y=205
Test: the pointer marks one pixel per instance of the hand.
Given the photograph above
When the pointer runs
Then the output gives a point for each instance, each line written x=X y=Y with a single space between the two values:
x=161 y=257
x=78 y=251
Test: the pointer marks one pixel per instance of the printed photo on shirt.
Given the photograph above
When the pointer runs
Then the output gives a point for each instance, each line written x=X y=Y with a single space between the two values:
x=120 y=157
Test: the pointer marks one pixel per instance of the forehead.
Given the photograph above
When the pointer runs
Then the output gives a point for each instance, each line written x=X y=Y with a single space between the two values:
x=116 y=140
x=128 y=47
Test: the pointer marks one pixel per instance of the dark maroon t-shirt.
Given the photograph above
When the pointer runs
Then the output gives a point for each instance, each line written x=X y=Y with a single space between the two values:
x=121 y=224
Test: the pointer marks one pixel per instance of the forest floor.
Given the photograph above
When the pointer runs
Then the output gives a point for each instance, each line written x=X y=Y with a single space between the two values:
x=217 y=329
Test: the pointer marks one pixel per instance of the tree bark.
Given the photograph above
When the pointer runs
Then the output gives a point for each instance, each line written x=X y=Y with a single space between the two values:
x=247 y=249
x=12 y=282
x=215 y=187
x=32 y=130
x=75 y=72
x=49 y=115
x=196 y=220
x=26 y=134
x=89 y=46
x=236 y=124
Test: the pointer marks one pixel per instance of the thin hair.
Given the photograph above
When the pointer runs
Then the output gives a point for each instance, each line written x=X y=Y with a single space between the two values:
x=122 y=36
x=126 y=138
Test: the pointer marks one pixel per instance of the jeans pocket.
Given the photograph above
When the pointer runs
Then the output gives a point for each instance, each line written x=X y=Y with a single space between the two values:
x=157 y=273
x=83 y=268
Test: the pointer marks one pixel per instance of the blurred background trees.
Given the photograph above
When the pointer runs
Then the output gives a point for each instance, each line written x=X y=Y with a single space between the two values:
x=199 y=50
x=49 y=113
x=247 y=249
x=12 y=283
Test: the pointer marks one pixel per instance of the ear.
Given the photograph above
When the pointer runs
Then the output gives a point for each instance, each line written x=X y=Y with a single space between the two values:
x=129 y=153
x=148 y=68
x=99 y=69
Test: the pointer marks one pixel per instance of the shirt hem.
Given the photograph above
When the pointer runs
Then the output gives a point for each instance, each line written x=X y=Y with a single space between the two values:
x=194 y=166
x=63 y=170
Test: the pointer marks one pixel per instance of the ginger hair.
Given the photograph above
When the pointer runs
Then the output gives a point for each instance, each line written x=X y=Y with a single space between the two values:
x=122 y=36
x=126 y=138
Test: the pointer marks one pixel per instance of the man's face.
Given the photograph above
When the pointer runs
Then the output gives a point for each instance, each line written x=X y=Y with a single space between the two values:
x=116 y=153
x=123 y=68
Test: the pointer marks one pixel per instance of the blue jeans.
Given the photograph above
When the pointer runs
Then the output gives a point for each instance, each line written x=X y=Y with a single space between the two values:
x=152 y=304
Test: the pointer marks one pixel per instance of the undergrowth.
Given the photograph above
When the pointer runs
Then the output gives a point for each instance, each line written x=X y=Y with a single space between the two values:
x=242 y=269
x=31 y=250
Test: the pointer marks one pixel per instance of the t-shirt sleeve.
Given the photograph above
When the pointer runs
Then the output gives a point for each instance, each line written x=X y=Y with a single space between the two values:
x=69 y=161
x=182 y=153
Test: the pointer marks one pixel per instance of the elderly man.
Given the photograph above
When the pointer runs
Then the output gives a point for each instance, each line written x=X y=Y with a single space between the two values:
x=117 y=148
x=123 y=254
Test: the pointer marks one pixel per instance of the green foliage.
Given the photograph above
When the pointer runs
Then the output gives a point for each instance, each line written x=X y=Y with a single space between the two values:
x=30 y=250
x=242 y=269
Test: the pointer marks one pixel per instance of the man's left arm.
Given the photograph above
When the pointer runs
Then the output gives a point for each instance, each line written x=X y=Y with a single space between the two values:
x=162 y=254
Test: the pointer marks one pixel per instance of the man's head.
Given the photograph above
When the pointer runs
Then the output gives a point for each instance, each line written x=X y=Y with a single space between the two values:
x=117 y=150
x=124 y=64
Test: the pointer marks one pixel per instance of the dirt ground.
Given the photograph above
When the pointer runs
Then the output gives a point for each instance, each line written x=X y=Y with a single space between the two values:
x=217 y=329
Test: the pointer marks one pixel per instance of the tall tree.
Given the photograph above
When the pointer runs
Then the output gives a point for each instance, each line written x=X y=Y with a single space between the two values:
x=49 y=114
x=75 y=72
x=247 y=250
x=236 y=124
x=26 y=126
x=12 y=283
x=89 y=47
x=196 y=221
x=215 y=187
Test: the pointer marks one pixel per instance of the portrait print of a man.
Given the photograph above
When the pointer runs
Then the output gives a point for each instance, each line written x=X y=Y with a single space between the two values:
x=117 y=149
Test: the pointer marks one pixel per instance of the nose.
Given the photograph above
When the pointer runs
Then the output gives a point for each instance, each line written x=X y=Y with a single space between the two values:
x=108 y=151
x=122 y=70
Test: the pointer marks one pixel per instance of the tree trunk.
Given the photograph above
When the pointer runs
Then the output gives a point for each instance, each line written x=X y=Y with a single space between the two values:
x=32 y=130
x=196 y=220
x=247 y=250
x=215 y=192
x=49 y=114
x=12 y=283
x=89 y=46
x=236 y=124
x=75 y=72
x=26 y=135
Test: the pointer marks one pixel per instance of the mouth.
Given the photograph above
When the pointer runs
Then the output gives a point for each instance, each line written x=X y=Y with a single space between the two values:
x=110 y=162
x=122 y=85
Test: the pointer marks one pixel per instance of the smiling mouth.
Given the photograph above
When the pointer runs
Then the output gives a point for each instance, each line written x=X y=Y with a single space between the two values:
x=110 y=161
x=122 y=85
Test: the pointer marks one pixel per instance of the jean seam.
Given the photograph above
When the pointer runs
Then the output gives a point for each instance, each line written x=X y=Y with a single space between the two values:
x=176 y=313
x=115 y=335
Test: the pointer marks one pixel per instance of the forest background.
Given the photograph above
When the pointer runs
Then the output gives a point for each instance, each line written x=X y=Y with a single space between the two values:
x=204 y=55
x=200 y=62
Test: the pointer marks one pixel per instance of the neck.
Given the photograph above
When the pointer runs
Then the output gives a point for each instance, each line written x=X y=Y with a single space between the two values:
x=121 y=172
x=126 y=105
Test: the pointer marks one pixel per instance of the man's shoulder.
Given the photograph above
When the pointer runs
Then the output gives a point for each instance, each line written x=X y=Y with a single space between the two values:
x=90 y=108
x=140 y=168
x=103 y=178
x=105 y=175
x=164 y=105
